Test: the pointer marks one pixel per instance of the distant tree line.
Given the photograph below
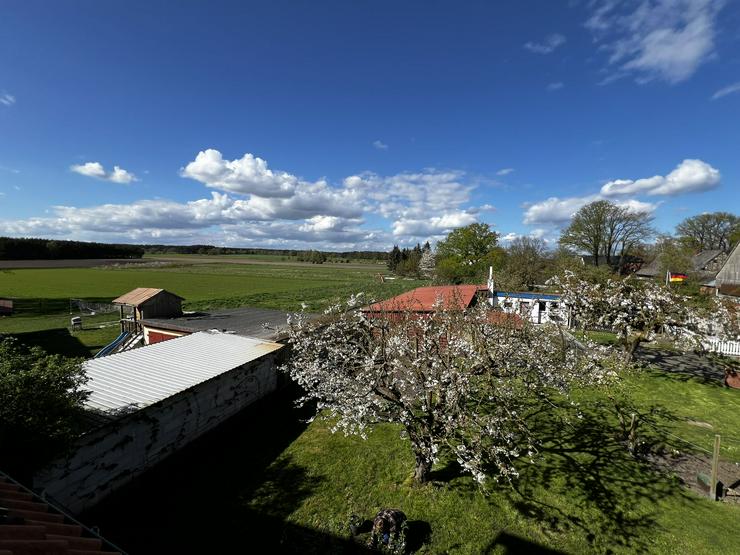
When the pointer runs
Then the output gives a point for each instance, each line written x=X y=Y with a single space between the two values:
x=301 y=255
x=51 y=249
x=602 y=239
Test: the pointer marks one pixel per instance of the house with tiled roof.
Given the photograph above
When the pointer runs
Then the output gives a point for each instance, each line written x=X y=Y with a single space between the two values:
x=538 y=308
x=728 y=277
x=704 y=264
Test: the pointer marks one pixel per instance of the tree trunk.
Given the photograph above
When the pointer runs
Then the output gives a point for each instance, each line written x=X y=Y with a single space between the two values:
x=422 y=470
x=630 y=348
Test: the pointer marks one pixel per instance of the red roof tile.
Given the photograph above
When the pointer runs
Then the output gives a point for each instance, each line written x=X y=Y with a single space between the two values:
x=424 y=299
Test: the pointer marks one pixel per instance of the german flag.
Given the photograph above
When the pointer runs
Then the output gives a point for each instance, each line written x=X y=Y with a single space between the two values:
x=676 y=277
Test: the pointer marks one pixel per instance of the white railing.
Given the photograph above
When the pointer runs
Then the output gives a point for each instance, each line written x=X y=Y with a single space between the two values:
x=731 y=348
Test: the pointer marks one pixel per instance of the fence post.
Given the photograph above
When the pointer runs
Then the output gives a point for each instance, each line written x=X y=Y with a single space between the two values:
x=632 y=436
x=715 y=469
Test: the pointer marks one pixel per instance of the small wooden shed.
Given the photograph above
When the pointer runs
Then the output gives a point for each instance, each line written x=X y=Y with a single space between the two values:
x=148 y=302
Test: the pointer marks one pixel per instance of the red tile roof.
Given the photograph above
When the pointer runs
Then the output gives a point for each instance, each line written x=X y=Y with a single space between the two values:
x=424 y=299
x=30 y=525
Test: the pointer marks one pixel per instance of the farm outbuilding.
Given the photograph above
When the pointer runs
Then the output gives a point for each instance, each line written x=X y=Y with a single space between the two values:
x=147 y=403
x=728 y=277
x=538 y=308
x=423 y=300
x=704 y=265
x=148 y=302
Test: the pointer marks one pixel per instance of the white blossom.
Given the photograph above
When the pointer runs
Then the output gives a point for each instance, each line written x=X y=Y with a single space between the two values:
x=456 y=381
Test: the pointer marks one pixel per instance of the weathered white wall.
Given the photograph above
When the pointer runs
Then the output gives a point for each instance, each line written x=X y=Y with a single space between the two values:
x=529 y=309
x=112 y=455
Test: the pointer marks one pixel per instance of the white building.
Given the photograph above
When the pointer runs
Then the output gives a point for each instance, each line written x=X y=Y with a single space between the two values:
x=538 y=308
x=147 y=403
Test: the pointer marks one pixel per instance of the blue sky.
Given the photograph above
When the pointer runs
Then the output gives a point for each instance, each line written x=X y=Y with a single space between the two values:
x=343 y=125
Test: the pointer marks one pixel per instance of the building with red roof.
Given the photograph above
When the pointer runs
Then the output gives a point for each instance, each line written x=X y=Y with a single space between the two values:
x=424 y=300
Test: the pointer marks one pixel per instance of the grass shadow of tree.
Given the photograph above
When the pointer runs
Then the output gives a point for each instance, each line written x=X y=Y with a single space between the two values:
x=681 y=365
x=609 y=490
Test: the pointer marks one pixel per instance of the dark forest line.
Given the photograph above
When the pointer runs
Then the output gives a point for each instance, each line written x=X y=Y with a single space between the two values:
x=12 y=248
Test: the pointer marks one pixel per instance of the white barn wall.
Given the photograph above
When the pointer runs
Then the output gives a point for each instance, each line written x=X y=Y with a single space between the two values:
x=112 y=455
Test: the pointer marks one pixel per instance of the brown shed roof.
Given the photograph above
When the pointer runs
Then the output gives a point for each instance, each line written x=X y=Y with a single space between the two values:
x=140 y=295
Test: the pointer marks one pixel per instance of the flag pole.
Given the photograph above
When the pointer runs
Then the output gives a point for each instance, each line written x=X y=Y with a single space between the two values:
x=667 y=277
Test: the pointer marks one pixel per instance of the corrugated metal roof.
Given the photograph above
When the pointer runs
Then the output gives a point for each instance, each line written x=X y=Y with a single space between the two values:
x=423 y=299
x=135 y=379
x=140 y=295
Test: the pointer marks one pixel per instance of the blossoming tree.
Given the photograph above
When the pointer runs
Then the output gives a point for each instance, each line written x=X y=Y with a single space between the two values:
x=454 y=380
x=637 y=310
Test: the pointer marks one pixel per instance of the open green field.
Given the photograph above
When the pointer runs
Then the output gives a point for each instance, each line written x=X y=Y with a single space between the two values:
x=42 y=295
x=276 y=258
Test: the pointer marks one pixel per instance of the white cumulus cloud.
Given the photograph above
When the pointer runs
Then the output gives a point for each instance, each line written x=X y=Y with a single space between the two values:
x=555 y=210
x=258 y=206
x=380 y=145
x=505 y=171
x=96 y=170
x=559 y=211
x=689 y=176
x=246 y=175
x=436 y=226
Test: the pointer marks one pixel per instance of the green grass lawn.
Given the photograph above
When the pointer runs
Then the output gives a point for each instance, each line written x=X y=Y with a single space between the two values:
x=52 y=332
x=687 y=402
x=42 y=295
x=585 y=495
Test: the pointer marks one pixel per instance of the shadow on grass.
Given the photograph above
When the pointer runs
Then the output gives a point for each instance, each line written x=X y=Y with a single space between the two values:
x=684 y=366
x=56 y=341
x=223 y=493
x=508 y=544
x=587 y=462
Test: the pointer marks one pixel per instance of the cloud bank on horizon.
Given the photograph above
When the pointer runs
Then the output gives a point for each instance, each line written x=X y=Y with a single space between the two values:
x=253 y=204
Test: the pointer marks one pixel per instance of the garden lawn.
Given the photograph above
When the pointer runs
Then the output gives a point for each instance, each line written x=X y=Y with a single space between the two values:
x=580 y=498
x=584 y=494
x=52 y=332
x=695 y=409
